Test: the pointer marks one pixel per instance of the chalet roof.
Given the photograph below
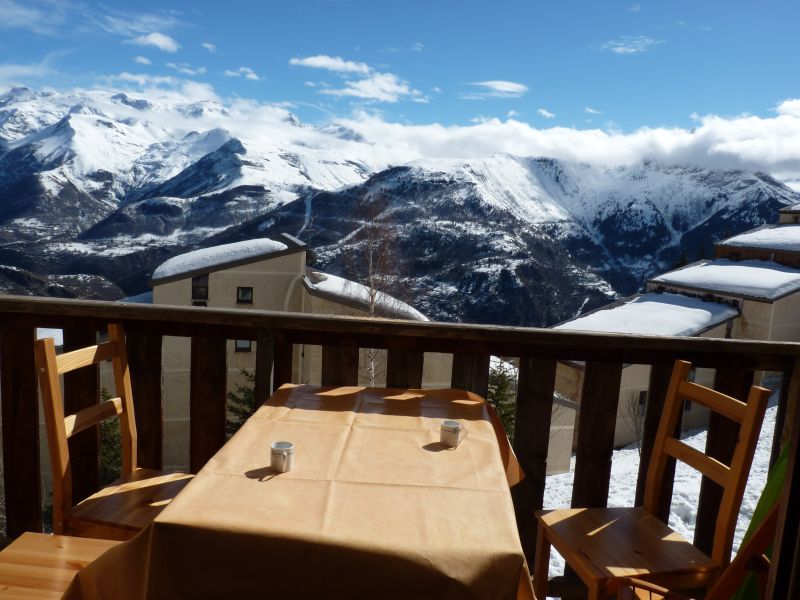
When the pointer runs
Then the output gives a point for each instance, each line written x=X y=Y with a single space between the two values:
x=356 y=295
x=654 y=314
x=794 y=208
x=751 y=279
x=225 y=256
x=780 y=238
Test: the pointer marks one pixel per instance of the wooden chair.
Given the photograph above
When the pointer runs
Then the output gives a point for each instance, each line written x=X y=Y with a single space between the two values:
x=751 y=558
x=604 y=543
x=36 y=565
x=126 y=506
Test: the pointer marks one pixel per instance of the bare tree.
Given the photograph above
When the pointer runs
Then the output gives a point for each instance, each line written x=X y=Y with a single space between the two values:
x=375 y=264
x=633 y=412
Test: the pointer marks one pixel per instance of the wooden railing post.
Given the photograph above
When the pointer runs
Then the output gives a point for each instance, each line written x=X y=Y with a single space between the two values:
x=404 y=369
x=471 y=373
x=144 y=361
x=81 y=390
x=722 y=436
x=656 y=395
x=207 y=400
x=597 y=419
x=283 y=361
x=531 y=439
x=784 y=576
x=339 y=365
x=787 y=410
x=20 y=409
x=265 y=356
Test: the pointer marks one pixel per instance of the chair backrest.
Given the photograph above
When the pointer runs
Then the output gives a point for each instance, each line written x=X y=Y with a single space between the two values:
x=61 y=427
x=732 y=478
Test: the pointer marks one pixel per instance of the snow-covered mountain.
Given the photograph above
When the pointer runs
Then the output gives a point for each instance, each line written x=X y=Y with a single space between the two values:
x=110 y=184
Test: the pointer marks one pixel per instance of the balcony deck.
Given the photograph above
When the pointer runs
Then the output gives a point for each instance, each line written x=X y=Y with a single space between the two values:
x=538 y=351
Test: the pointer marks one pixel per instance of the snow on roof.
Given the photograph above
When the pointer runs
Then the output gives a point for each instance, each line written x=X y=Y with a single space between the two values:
x=209 y=259
x=784 y=238
x=759 y=279
x=350 y=292
x=792 y=208
x=654 y=314
x=143 y=298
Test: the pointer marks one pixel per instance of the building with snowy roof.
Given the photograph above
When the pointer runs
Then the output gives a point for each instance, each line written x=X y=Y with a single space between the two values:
x=789 y=214
x=270 y=275
x=778 y=243
x=766 y=294
x=646 y=314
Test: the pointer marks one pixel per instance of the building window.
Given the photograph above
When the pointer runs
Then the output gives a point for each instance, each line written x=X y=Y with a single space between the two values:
x=243 y=345
x=244 y=295
x=200 y=287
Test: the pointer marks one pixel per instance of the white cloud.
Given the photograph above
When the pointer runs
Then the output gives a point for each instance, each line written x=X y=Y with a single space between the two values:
x=496 y=88
x=165 y=86
x=592 y=111
x=511 y=114
x=331 y=63
x=310 y=84
x=17 y=15
x=245 y=72
x=543 y=112
x=187 y=69
x=141 y=60
x=130 y=23
x=630 y=44
x=382 y=87
x=157 y=40
x=210 y=47
x=635 y=7
x=16 y=73
x=417 y=47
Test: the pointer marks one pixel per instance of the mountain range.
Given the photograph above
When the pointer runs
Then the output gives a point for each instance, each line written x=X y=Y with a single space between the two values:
x=99 y=187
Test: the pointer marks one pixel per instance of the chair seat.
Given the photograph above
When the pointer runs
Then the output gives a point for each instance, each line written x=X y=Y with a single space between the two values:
x=127 y=506
x=36 y=565
x=602 y=543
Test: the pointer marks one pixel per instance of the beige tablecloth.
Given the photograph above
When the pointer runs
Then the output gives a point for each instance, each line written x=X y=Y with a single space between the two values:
x=373 y=508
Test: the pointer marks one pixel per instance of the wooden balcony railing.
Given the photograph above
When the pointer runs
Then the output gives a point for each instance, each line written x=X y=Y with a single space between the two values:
x=538 y=351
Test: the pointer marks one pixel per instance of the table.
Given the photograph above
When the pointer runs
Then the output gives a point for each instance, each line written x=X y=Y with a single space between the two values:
x=374 y=507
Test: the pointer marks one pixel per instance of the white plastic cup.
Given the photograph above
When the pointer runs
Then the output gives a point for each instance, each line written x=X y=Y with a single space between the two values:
x=281 y=456
x=450 y=433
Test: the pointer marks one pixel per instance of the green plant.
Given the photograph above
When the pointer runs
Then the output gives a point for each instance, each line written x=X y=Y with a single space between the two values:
x=241 y=403
x=503 y=393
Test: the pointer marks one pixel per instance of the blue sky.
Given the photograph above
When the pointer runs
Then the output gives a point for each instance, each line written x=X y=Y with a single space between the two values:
x=593 y=64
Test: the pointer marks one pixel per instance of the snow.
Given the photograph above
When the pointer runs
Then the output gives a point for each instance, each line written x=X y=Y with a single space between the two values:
x=686 y=490
x=748 y=278
x=216 y=256
x=654 y=314
x=781 y=238
x=350 y=291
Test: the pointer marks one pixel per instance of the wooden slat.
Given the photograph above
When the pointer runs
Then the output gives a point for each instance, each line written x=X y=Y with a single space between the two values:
x=69 y=361
x=265 y=356
x=90 y=416
x=720 y=403
x=710 y=467
x=656 y=394
x=207 y=400
x=81 y=391
x=283 y=362
x=531 y=439
x=404 y=369
x=471 y=373
x=339 y=365
x=144 y=362
x=597 y=418
x=722 y=436
x=20 y=412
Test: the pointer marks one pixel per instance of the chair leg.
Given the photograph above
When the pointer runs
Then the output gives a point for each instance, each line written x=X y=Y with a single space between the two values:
x=541 y=565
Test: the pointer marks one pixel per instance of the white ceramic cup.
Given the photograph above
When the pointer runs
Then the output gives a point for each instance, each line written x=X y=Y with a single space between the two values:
x=281 y=456
x=450 y=433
